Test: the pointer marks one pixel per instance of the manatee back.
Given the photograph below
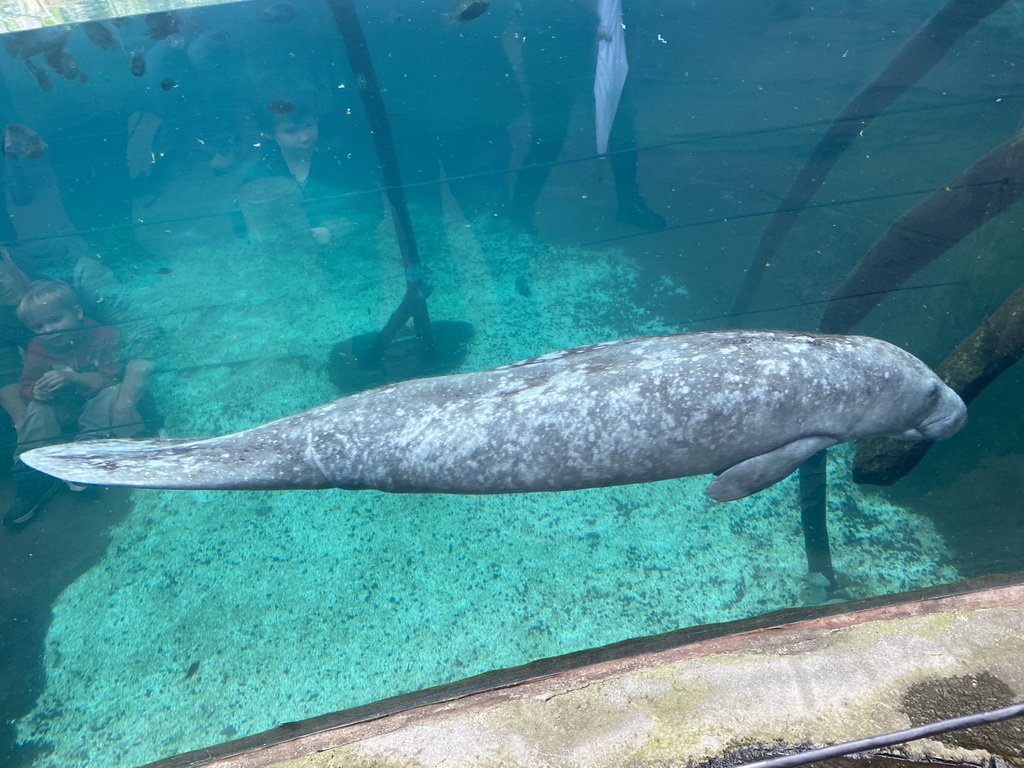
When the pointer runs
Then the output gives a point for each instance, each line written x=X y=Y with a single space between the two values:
x=621 y=412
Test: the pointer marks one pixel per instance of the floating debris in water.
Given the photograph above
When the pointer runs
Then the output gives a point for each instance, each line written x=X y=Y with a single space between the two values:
x=138 y=62
x=278 y=13
x=168 y=83
x=467 y=10
x=280 y=107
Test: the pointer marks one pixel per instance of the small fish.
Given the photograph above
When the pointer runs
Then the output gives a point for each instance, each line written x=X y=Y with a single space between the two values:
x=138 y=62
x=168 y=83
x=42 y=78
x=30 y=42
x=192 y=669
x=523 y=287
x=162 y=24
x=467 y=10
x=62 y=61
x=278 y=13
x=280 y=107
x=164 y=271
x=101 y=35
x=21 y=141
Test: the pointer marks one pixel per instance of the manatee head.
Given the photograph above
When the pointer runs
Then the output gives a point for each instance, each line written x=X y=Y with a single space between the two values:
x=944 y=416
x=903 y=397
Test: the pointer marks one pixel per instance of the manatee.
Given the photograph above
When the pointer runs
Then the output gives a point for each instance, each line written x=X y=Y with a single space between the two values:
x=749 y=406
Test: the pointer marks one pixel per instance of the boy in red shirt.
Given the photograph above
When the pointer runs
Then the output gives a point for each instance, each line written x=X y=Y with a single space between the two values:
x=69 y=381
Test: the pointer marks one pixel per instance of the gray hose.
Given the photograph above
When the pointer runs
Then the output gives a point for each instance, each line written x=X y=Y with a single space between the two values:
x=889 y=739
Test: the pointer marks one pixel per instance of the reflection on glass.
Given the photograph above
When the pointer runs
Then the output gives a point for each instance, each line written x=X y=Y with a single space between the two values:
x=205 y=181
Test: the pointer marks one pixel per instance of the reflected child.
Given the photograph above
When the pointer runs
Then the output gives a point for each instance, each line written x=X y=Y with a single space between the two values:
x=69 y=383
x=291 y=150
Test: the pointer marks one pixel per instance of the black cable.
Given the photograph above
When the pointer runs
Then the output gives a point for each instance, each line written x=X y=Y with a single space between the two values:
x=699 y=138
x=889 y=739
x=782 y=307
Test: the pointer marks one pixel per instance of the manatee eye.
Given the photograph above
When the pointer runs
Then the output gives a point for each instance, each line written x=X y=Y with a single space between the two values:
x=933 y=390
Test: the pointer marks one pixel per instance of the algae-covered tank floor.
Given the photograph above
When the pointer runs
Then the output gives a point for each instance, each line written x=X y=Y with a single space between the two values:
x=215 y=615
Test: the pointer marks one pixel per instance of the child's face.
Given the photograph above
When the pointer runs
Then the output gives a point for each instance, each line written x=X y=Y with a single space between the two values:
x=55 y=322
x=296 y=135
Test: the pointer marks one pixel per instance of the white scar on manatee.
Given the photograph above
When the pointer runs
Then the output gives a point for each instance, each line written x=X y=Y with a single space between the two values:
x=749 y=406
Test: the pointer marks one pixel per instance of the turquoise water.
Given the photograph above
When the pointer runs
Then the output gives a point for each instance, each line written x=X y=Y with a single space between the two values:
x=140 y=625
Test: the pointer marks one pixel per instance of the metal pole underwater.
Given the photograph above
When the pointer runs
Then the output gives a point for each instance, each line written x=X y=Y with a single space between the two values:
x=813 y=516
x=414 y=303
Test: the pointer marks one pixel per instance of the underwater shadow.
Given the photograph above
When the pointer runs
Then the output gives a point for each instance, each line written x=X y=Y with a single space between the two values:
x=360 y=363
x=36 y=565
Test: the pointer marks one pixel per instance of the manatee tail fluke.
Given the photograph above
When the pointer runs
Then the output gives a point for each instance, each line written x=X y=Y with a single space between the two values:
x=112 y=462
x=220 y=463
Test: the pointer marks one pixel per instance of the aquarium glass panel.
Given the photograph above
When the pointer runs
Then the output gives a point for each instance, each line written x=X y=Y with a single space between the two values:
x=219 y=217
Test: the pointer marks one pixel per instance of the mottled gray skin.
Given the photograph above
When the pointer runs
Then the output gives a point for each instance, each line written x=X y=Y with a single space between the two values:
x=751 y=405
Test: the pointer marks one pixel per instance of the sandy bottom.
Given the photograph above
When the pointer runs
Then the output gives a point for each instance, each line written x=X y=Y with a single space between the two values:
x=215 y=615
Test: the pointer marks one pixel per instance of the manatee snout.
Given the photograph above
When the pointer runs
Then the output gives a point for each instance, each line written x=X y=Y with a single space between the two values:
x=944 y=420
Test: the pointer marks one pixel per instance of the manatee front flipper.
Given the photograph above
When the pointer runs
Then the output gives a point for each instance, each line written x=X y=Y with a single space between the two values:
x=757 y=473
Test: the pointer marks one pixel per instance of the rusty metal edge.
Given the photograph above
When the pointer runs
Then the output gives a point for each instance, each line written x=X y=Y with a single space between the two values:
x=577 y=669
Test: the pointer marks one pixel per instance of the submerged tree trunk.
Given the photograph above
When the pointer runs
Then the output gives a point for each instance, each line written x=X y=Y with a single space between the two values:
x=925 y=49
x=997 y=344
x=928 y=230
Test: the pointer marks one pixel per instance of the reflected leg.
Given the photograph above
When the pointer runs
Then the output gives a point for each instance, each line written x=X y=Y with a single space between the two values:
x=39 y=426
x=623 y=156
x=549 y=127
x=32 y=488
x=97 y=419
